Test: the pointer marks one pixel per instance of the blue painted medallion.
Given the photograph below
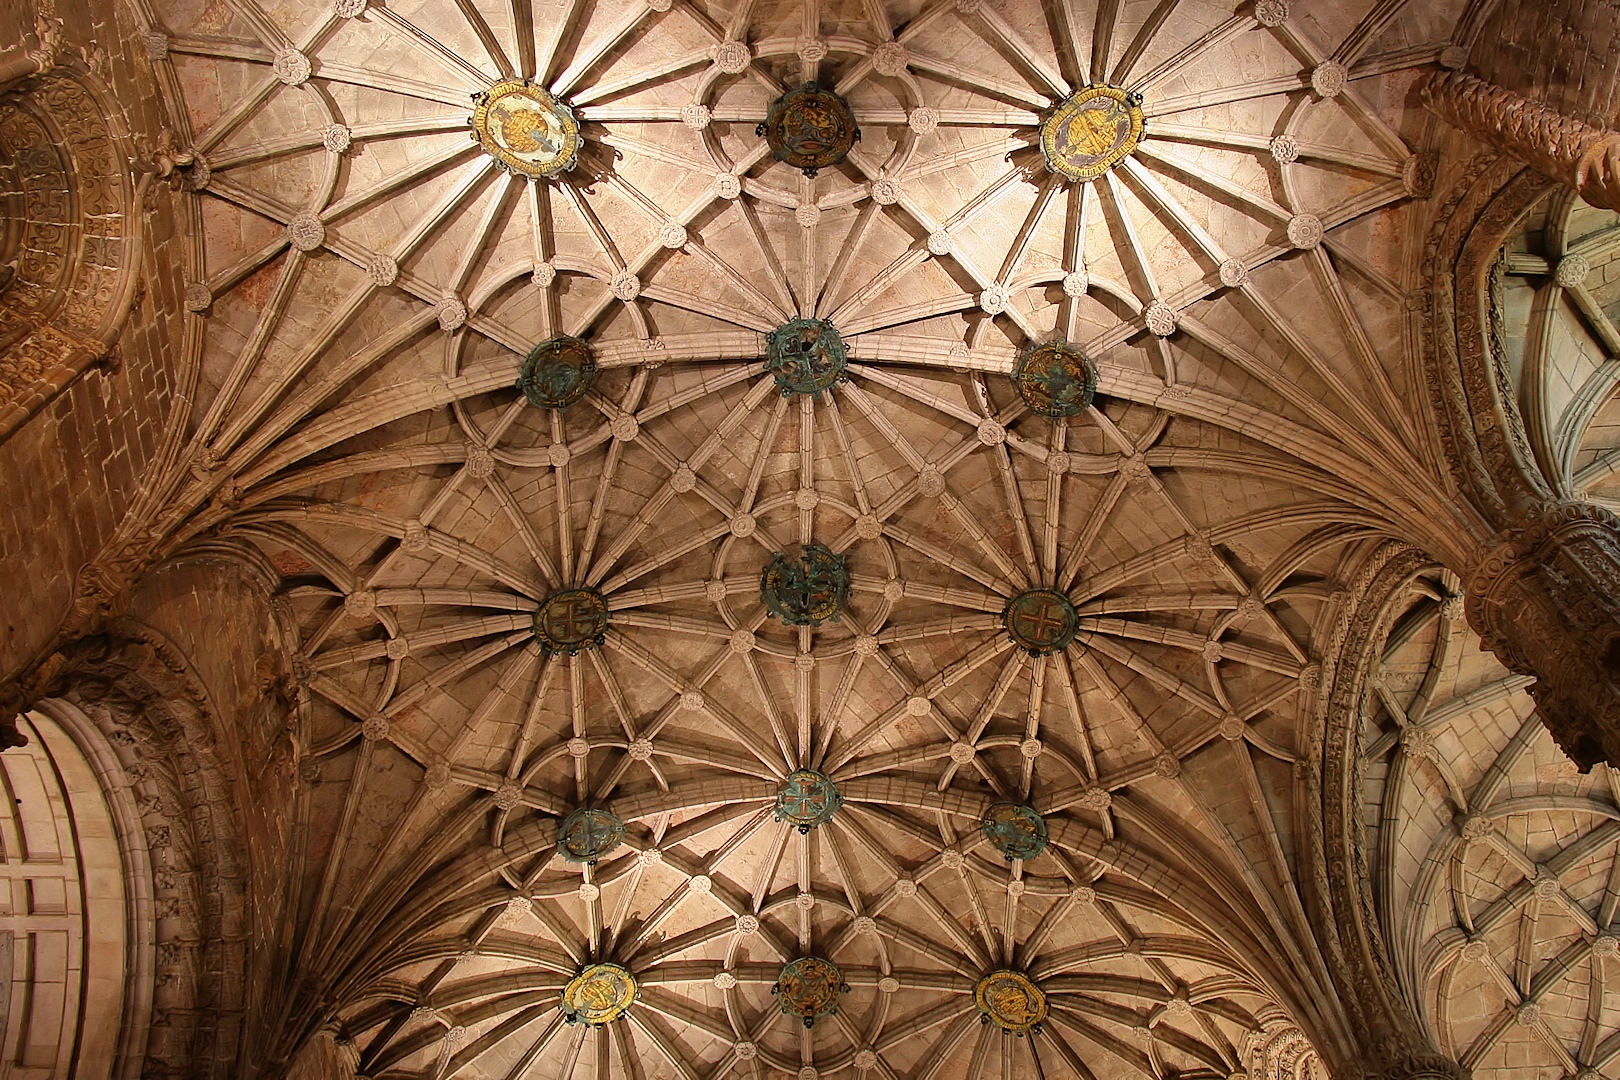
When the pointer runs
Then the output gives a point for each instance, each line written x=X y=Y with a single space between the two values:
x=805 y=356
x=807 y=798
x=1055 y=378
x=586 y=835
x=557 y=373
x=1015 y=830
x=805 y=589
x=810 y=128
x=809 y=988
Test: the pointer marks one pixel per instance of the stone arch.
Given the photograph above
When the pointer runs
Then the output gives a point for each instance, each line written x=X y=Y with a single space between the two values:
x=69 y=254
x=77 y=965
x=131 y=699
x=1395 y=1042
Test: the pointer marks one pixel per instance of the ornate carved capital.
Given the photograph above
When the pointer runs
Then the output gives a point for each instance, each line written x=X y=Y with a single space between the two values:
x=1544 y=590
x=1546 y=601
x=1583 y=155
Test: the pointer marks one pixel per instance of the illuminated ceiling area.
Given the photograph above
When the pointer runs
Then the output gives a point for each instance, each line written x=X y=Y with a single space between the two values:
x=815 y=533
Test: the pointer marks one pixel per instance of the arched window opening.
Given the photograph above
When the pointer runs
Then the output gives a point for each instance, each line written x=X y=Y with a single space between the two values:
x=68 y=931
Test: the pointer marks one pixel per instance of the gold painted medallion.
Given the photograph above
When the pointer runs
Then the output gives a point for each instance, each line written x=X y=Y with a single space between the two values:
x=526 y=130
x=1094 y=130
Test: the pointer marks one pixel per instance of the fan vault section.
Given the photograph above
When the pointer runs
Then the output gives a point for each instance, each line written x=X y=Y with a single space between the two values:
x=807 y=524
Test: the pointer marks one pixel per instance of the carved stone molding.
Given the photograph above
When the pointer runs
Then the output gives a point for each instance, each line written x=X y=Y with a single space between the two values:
x=1583 y=155
x=76 y=274
x=142 y=699
x=1544 y=587
x=1393 y=1044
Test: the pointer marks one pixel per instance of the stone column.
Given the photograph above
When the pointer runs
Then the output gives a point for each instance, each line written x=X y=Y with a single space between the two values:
x=1541 y=85
x=1544 y=587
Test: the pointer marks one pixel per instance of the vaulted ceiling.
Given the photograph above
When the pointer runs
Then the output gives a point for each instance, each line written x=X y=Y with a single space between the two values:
x=370 y=282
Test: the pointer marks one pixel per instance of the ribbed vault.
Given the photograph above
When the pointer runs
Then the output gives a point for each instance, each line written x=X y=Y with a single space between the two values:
x=370 y=285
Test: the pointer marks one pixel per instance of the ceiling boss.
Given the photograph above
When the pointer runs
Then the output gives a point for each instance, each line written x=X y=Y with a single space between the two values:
x=526 y=130
x=1095 y=129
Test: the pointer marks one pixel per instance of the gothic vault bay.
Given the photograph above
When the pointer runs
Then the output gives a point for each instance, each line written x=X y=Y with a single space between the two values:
x=861 y=539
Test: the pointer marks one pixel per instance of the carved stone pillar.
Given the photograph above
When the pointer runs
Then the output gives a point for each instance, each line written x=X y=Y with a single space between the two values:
x=1542 y=87
x=1544 y=591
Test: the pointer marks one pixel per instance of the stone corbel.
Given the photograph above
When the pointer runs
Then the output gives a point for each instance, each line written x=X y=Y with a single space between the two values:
x=23 y=63
x=1546 y=601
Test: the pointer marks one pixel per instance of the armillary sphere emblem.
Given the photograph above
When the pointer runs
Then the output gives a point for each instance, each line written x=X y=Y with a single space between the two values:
x=588 y=834
x=1011 y=1001
x=1095 y=129
x=1041 y=621
x=557 y=373
x=1015 y=830
x=598 y=995
x=1055 y=379
x=807 y=798
x=805 y=356
x=809 y=988
x=806 y=589
x=570 y=620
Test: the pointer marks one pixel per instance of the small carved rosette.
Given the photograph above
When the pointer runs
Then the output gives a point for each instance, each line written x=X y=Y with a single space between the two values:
x=809 y=988
x=806 y=589
x=598 y=995
x=1041 y=621
x=810 y=128
x=557 y=373
x=1055 y=378
x=807 y=798
x=1011 y=1001
x=526 y=130
x=586 y=835
x=571 y=620
x=1015 y=830
x=805 y=356
x=1095 y=129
